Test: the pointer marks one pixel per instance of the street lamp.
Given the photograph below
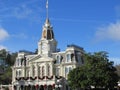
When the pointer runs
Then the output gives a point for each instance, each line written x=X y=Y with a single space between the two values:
x=58 y=85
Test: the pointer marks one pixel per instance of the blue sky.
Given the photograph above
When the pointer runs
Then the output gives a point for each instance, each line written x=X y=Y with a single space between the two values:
x=91 y=24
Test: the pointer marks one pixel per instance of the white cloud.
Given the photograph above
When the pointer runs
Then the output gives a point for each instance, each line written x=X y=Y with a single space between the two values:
x=20 y=36
x=22 y=12
x=111 y=32
x=2 y=47
x=3 y=34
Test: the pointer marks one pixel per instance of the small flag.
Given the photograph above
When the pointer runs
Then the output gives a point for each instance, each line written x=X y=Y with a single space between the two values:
x=47 y=4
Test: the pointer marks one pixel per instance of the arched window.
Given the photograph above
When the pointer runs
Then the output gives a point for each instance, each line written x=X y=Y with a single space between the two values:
x=79 y=57
x=58 y=59
x=28 y=73
x=39 y=71
x=23 y=62
x=68 y=58
x=33 y=70
x=20 y=73
x=17 y=73
x=67 y=70
x=48 y=70
x=43 y=71
x=17 y=62
x=57 y=71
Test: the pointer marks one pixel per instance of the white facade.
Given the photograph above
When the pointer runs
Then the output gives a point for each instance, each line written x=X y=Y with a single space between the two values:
x=48 y=69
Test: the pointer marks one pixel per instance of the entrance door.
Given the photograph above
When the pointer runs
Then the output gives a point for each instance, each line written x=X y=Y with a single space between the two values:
x=49 y=87
x=41 y=87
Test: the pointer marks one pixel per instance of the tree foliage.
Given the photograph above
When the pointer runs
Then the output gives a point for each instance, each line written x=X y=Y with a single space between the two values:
x=77 y=78
x=5 y=68
x=8 y=58
x=6 y=77
x=97 y=71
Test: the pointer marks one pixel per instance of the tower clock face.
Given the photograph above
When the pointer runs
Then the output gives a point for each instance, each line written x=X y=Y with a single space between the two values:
x=44 y=47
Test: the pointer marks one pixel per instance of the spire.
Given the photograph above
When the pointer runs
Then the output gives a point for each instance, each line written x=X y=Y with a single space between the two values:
x=47 y=28
x=47 y=23
x=47 y=31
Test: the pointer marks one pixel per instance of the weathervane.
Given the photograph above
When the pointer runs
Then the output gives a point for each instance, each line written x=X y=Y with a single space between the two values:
x=47 y=8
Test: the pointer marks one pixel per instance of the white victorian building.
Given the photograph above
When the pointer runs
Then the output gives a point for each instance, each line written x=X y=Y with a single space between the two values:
x=48 y=69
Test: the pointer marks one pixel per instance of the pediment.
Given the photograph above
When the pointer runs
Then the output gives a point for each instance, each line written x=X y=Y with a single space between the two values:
x=41 y=59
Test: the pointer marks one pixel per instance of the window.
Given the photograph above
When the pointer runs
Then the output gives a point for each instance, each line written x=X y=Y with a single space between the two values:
x=33 y=70
x=58 y=59
x=67 y=70
x=28 y=73
x=39 y=71
x=17 y=74
x=68 y=58
x=57 y=71
x=17 y=62
x=79 y=57
x=82 y=60
x=43 y=71
x=48 y=70
x=70 y=68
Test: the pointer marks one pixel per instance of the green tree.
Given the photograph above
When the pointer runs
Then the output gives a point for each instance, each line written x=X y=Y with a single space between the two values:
x=97 y=70
x=6 y=77
x=12 y=58
x=77 y=78
x=101 y=71
x=5 y=70
x=3 y=54
x=8 y=58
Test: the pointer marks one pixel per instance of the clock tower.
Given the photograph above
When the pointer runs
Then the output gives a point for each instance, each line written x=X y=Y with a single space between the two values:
x=47 y=43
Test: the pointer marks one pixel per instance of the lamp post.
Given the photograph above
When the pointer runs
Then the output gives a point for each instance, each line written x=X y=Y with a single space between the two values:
x=58 y=86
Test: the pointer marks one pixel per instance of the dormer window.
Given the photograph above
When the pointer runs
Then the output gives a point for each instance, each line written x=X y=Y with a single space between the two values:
x=18 y=62
x=58 y=59
x=79 y=57
x=68 y=58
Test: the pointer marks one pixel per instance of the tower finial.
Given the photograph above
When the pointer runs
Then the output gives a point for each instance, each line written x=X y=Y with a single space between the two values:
x=47 y=9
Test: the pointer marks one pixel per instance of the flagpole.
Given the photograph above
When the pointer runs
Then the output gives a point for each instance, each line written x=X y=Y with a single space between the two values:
x=47 y=9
